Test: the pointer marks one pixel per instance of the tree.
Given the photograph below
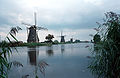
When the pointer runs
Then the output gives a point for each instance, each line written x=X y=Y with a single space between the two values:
x=77 y=41
x=49 y=37
x=106 y=60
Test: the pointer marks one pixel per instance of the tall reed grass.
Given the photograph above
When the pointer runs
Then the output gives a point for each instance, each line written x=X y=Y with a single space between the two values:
x=106 y=59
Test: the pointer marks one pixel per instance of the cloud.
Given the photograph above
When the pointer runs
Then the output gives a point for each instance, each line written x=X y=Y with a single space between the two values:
x=56 y=15
x=94 y=2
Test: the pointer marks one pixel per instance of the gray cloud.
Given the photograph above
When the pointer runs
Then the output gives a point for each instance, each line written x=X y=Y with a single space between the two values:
x=56 y=14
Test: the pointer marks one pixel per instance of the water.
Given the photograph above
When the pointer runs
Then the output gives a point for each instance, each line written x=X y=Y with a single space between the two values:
x=64 y=61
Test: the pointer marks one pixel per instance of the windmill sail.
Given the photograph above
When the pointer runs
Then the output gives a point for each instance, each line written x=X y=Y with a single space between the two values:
x=39 y=28
x=27 y=31
x=35 y=18
x=26 y=24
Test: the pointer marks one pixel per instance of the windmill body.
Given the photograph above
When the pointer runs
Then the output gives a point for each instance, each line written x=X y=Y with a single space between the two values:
x=32 y=36
x=33 y=54
x=62 y=39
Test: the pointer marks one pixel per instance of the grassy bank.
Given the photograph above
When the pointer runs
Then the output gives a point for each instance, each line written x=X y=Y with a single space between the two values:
x=40 y=44
x=18 y=44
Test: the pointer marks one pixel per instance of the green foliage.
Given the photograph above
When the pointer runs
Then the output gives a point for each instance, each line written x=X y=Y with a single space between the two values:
x=56 y=41
x=33 y=44
x=5 y=52
x=96 y=38
x=49 y=37
x=77 y=41
x=106 y=59
x=36 y=76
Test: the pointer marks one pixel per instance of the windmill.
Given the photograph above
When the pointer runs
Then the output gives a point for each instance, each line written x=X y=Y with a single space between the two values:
x=71 y=39
x=62 y=37
x=32 y=31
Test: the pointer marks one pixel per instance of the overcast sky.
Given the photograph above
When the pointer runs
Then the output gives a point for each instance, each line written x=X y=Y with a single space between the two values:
x=76 y=18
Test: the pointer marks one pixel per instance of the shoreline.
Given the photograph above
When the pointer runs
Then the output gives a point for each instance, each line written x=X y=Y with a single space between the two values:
x=16 y=44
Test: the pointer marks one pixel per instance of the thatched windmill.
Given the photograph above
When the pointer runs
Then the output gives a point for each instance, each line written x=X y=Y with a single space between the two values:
x=32 y=31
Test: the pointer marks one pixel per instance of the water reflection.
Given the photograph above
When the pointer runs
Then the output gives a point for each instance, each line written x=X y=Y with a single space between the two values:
x=49 y=51
x=72 y=47
x=62 y=48
x=33 y=53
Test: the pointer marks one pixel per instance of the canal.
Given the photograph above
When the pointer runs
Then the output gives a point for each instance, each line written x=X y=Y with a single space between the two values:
x=56 y=61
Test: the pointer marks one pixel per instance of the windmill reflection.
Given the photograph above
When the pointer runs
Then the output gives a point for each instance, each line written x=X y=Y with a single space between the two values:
x=49 y=51
x=62 y=48
x=33 y=53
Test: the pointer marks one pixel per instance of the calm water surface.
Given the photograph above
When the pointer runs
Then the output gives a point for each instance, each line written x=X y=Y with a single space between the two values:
x=65 y=61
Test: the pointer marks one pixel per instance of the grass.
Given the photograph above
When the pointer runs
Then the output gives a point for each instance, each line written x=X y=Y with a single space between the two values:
x=16 y=44
x=5 y=53
x=106 y=55
x=33 y=44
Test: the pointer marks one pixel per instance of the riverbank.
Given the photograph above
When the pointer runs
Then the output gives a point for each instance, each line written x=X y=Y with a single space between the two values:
x=21 y=44
x=38 y=44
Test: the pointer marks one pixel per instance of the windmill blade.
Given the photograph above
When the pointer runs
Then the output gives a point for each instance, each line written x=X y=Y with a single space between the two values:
x=61 y=32
x=35 y=18
x=26 y=24
x=64 y=35
x=19 y=28
x=27 y=31
x=58 y=36
x=41 y=28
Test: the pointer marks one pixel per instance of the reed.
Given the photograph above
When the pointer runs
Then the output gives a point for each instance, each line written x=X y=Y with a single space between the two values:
x=106 y=59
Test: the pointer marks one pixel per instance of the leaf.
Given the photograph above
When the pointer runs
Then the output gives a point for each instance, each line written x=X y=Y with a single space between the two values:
x=42 y=65
x=19 y=28
x=10 y=50
x=9 y=40
x=17 y=64
x=36 y=76
x=13 y=37
x=14 y=30
x=2 y=76
x=25 y=76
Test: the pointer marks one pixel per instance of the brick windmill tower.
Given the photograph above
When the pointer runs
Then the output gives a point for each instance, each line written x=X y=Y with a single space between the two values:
x=32 y=31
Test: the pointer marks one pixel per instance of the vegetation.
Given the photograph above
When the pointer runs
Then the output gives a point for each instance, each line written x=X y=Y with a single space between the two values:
x=5 y=52
x=33 y=44
x=96 y=38
x=56 y=42
x=106 y=59
x=77 y=41
x=49 y=38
